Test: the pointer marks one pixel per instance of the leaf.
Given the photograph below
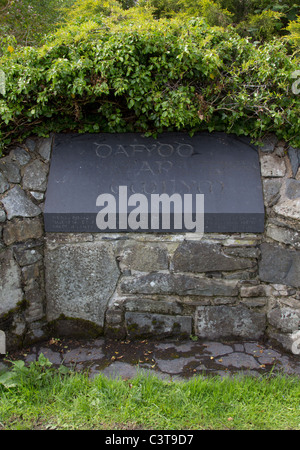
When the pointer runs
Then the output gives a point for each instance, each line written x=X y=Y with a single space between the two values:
x=7 y=379
x=19 y=364
x=63 y=370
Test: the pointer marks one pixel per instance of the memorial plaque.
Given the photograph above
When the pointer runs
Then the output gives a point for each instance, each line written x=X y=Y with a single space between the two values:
x=128 y=182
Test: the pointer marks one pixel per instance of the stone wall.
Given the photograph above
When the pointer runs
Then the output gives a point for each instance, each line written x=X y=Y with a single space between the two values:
x=133 y=285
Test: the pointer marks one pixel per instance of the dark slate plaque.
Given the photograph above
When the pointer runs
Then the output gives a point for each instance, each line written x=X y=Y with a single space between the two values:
x=222 y=167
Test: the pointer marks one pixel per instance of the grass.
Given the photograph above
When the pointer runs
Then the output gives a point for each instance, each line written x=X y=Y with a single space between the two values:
x=41 y=397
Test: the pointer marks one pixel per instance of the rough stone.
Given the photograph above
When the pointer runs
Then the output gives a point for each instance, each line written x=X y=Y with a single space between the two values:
x=215 y=322
x=39 y=196
x=34 y=296
x=282 y=290
x=279 y=265
x=223 y=300
x=241 y=241
x=201 y=257
x=32 y=274
x=285 y=340
x=254 y=302
x=17 y=204
x=245 y=252
x=284 y=235
x=292 y=189
x=10 y=291
x=271 y=189
x=143 y=325
x=10 y=170
x=280 y=149
x=80 y=279
x=2 y=216
x=35 y=176
x=144 y=257
x=153 y=306
x=294 y=155
x=254 y=291
x=289 y=209
x=45 y=148
x=164 y=283
x=285 y=319
x=269 y=142
x=30 y=144
x=290 y=302
x=19 y=230
x=289 y=204
x=26 y=256
x=4 y=185
x=272 y=166
x=20 y=155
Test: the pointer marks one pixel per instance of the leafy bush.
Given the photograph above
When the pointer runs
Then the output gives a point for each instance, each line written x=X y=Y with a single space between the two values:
x=133 y=73
x=28 y=21
x=294 y=29
x=261 y=26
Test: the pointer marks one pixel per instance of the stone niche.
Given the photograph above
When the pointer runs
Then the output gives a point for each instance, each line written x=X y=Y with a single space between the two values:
x=61 y=276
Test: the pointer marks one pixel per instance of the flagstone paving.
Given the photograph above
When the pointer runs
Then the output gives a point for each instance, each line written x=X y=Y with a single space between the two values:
x=175 y=360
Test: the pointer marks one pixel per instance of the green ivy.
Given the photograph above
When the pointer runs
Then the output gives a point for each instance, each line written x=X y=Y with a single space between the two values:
x=143 y=75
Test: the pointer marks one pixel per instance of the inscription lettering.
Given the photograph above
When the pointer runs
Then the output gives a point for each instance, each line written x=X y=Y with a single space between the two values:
x=158 y=167
x=172 y=186
x=160 y=149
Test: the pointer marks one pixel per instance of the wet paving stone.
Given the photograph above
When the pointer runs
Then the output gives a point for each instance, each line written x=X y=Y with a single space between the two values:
x=239 y=360
x=173 y=360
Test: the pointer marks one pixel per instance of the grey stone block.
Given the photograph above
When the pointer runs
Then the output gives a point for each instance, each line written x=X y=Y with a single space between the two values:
x=292 y=189
x=19 y=230
x=10 y=290
x=26 y=256
x=10 y=170
x=80 y=279
x=164 y=283
x=147 y=305
x=35 y=176
x=269 y=142
x=20 y=155
x=17 y=204
x=294 y=155
x=4 y=185
x=285 y=319
x=271 y=189
x=200 y=257
x=144 y=257
x=279 y=265
x=284 y=235
x=2 y=216
x=143 y=325
x=215 y=322
x=272 y=166
x=45 y=148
